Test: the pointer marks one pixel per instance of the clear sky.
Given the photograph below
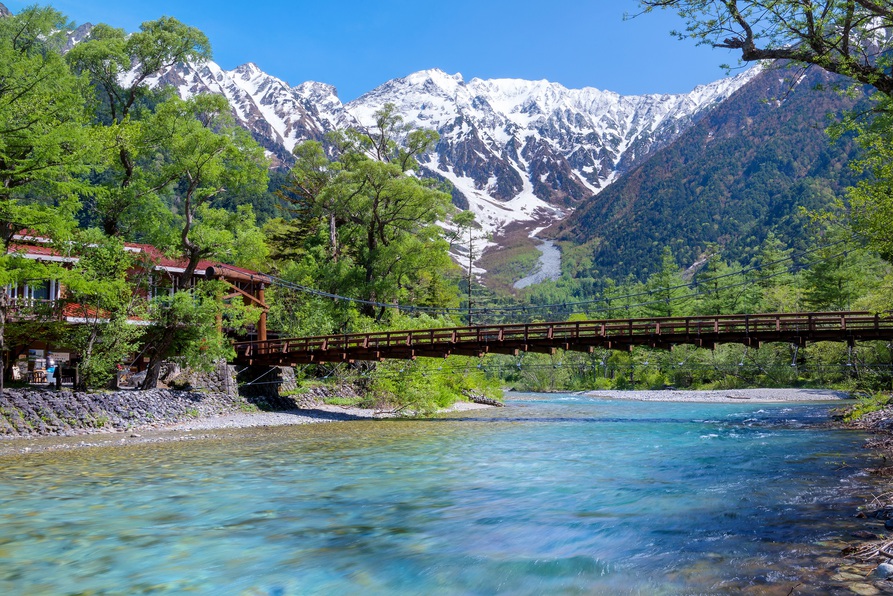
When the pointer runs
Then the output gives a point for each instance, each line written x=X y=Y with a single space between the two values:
x=357 y=45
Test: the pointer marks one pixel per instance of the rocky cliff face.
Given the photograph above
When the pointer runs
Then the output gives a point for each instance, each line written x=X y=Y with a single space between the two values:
x=515 y=151
x=524 y=150
x=518 y=153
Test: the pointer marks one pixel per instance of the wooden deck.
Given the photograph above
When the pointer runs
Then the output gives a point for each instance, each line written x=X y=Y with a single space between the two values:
x=583 y=336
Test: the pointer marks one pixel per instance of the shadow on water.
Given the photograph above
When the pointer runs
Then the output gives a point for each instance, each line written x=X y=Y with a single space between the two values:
x=325 y=415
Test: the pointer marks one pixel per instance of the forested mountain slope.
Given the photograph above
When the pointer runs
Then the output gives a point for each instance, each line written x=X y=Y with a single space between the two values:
x=752 y=165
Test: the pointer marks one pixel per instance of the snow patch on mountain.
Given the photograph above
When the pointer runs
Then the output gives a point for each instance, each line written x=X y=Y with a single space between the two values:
x=521 y=150
x=515 y=151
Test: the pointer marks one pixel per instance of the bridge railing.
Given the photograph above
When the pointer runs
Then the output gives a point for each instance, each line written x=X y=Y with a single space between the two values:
x=670 y=329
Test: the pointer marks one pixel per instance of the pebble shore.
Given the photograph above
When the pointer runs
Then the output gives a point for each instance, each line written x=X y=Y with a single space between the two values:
x=209 y=423
x=724 y=395
x=319 y=413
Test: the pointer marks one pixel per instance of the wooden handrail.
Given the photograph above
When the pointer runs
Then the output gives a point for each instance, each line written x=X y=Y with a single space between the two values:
x=700 y=330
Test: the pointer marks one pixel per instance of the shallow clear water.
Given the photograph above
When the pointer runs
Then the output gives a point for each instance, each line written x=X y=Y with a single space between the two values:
x=556 y=494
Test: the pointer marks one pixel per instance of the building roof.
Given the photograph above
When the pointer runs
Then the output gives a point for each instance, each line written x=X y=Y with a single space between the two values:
x=35 y=247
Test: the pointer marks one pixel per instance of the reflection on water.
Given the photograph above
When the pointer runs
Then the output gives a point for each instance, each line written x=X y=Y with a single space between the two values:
x=556 y=494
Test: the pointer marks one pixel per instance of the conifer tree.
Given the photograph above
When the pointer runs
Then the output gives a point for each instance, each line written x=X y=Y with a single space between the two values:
x=668 y=294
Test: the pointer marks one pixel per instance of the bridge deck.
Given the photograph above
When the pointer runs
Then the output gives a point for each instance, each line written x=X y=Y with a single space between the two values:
x=584 y=336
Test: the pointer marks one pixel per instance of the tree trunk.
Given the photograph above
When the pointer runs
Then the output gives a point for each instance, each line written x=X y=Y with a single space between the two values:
x=156 y=357
x=333 y=237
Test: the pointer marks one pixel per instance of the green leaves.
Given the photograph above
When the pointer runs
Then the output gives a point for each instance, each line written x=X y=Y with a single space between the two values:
x=871 y=200
x=366 y=222
x=119 y=64
x=98 y=292
x=45 y=146
x=841 y=36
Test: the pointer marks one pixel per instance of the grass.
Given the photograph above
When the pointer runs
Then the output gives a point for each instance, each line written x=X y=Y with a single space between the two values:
x=245 y=406
x=866 y=405
x=301 y=390
x=344 y=401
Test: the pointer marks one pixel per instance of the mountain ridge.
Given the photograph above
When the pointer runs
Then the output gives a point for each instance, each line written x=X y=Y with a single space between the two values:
x=516 y=151
x=758 y=163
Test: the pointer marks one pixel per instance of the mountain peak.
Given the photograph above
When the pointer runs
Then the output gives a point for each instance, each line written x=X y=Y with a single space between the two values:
x=249 y=69
x=4 y=12
x=447 y=82
x=517 y=152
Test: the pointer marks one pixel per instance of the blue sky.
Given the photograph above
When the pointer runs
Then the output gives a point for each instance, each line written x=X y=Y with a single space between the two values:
x=357 y=45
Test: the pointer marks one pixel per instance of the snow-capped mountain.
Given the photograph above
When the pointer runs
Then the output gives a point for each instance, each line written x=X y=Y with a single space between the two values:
x=520 y=150
x=279 y=116
x=515 y=150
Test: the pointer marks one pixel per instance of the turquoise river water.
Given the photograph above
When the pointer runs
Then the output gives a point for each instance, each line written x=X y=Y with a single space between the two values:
x=554 y=494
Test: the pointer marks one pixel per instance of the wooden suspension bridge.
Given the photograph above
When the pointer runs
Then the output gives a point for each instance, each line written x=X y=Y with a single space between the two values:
x=581 y=336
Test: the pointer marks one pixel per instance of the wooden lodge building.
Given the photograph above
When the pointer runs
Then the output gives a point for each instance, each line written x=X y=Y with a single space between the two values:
x=30 y=361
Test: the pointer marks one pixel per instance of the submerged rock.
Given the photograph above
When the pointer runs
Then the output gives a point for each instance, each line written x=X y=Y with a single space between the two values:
x=883 y=571
x=864 y=589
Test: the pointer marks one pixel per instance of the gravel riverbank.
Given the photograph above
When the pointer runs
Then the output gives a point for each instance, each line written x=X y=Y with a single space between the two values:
x=318 y=413
x=724 y=395
x=184 y=424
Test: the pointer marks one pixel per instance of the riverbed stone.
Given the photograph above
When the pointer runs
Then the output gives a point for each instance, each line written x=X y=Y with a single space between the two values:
x=845 y=576
x=883 y=571
x=863 y=589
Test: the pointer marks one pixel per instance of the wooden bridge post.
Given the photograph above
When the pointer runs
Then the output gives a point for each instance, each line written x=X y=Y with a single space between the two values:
x=262 y=321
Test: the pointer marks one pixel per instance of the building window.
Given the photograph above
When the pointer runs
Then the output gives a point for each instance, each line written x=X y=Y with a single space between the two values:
x=33 y=290
x=40 y=290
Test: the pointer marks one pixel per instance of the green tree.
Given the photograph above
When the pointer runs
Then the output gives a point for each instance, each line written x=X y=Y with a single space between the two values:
x=668 y=294
x=312 y=203
x=45 y=145
x=184 y=328
x=119 y=66
x=371 y=217
x=871 y=200
x=204 y=154
x=839 y=273
x=719 y=286
x=46 y=149
x=772 y=287
x=846 y=37
x=100 y=295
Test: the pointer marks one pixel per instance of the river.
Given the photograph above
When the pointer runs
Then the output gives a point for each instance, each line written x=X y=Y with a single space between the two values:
x=548 y=266
x=554 y=494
